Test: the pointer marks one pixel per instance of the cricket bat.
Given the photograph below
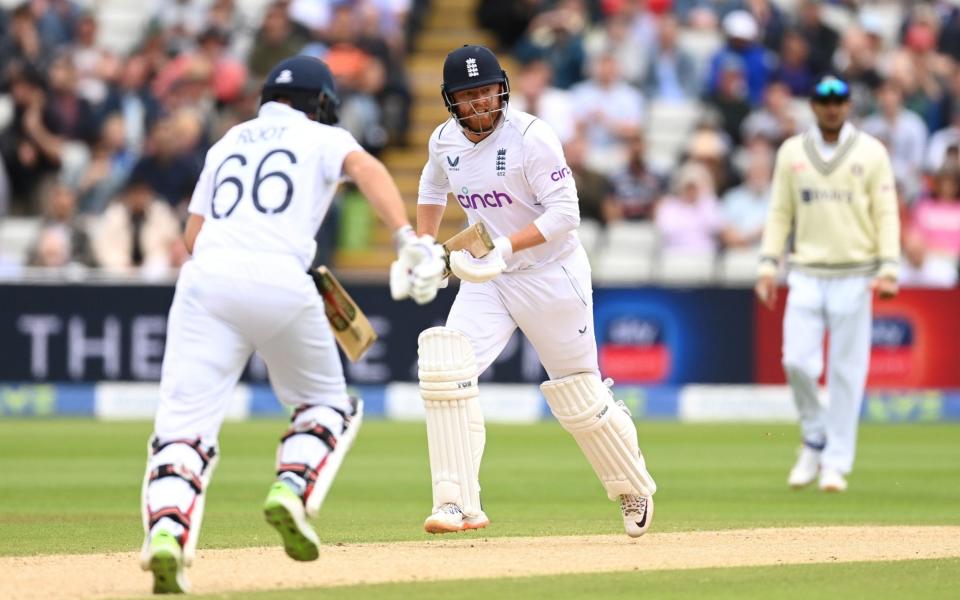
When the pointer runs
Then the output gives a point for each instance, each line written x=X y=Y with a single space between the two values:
x=350 y=326
x=474 y=239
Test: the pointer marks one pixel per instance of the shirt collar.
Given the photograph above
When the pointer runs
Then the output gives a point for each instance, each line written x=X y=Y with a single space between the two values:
x=278 y=109
x=845 y=132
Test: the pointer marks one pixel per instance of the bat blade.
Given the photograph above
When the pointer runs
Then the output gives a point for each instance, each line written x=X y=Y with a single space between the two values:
x=350 y=326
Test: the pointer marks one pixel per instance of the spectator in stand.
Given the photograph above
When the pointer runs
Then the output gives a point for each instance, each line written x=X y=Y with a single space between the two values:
x=62 y=239
x=557 y=36
x=920 y=269
x=857 y=61
x=22 y=43
x=224 y=15
x=609 y=111
x=593 y=189
x=744 y=208
x=775 y=121
x=688 y=220
x=730 y=96
x=615 y=36
x=794 y=68
x=904 y=132
x=32 y=144
x=508 y=20
x=137 y=230
x=94 y=65
x=229 y=74
x=638 y=188
x=943 y=140
x=74 y=113
x=131 y=97
x=740 y=29
x=182 y=20
x=57 y=21
x=937 y=218
x=919 y=70
x=672 y=74
x=166 y=167
x=278 y=38
x=394 y=96
x=533 y=93
x=709 y=147
x=821 y=38
x=770 y=21
x=360 y=78
x=102 y=174
x=949 y=37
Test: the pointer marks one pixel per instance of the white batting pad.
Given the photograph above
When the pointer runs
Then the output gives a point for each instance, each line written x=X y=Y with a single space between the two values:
x=603 y=430
x=455 y=430
x=184 y=455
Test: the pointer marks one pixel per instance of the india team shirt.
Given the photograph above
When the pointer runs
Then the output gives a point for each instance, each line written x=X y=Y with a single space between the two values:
x=267 y=184
x=515 y=176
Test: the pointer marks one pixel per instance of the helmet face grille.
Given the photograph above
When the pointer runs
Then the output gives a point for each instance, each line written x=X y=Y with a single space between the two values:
x=503 y=96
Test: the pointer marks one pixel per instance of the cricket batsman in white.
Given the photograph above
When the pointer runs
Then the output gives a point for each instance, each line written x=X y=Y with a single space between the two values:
x=506 y=169
x=833 y=186
x=262 y=194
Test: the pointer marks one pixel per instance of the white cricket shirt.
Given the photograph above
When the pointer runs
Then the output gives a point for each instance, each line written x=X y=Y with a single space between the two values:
x=515 y=176
x=267 y=184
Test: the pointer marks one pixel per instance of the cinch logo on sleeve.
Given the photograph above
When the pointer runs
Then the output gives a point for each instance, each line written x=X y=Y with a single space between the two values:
x=559 y=174
x=492 y=199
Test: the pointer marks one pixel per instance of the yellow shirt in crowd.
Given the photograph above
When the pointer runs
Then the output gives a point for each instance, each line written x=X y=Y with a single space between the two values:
x=840 y=205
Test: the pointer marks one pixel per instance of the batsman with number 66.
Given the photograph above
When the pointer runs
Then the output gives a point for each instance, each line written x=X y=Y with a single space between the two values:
x=264 y=190
x=506 y=169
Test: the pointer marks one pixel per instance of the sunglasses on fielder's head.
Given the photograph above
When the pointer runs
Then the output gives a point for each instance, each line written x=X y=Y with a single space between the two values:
x=831 y=89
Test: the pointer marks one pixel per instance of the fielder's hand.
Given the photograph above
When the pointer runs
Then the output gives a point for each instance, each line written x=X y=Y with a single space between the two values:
x=418 y=271
x=478 y=270
x=886 y=287
x=766 y=290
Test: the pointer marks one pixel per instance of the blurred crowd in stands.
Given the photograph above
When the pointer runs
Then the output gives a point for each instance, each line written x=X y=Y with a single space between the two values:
x=604 y=73
x=107 y=147
x=670 y=111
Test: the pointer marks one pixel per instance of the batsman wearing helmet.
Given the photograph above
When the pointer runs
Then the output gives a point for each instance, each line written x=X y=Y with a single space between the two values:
x=506 y=169
x=263 y=192
x=833 y=186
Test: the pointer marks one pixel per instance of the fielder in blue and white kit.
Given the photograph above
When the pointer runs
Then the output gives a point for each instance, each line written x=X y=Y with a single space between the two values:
x=506 y=169
x=260 y=199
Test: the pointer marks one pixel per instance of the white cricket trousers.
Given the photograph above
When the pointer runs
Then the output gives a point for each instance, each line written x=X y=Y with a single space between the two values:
x=842 y=306
x=223 y=310
x=552 y=305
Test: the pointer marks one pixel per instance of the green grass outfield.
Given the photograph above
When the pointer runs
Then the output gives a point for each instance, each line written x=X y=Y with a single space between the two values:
x=73 y=486
x=927 y=579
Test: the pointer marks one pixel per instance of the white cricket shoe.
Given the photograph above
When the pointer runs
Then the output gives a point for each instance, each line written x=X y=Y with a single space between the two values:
x=449 y=518
x=804 y=472
x=637 y=513
x=832 y=480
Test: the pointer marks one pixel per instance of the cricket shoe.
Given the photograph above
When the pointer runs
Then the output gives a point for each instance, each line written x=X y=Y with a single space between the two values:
x=285 y=512
x=804 y=472
x=832 y=480
x=449 y=518
x=637 y=513
x=163 y=556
